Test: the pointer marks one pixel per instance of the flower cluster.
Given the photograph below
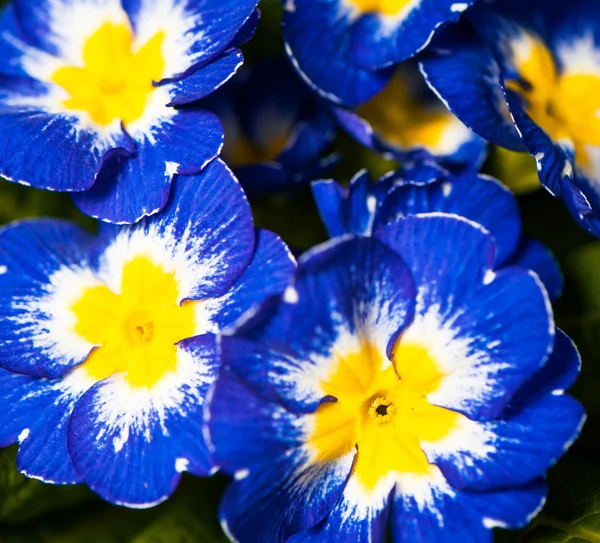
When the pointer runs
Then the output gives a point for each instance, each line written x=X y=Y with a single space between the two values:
x=405 y=376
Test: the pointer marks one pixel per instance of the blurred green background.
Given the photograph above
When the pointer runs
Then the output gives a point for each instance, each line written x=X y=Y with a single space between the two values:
x=34 y=512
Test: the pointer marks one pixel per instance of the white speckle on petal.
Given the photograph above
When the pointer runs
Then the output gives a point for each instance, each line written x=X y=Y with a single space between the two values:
x=459 y=7
x=23 y=435
x=171 y=168
x=446 y=189
x=488 y=277
x=181 y=464
x=371 y=203
x=241 y=474
x=492 y=523
x=3 y=270
x=290 y=296
x=538 y=161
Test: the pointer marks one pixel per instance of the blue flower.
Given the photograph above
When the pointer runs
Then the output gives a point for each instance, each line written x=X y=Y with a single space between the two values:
x=401 y=381
x=406 y=121
x=276 y=130
x=529 y=82
x=88 y=94
x=100 y=382
x=424 y=187
x=344 y=48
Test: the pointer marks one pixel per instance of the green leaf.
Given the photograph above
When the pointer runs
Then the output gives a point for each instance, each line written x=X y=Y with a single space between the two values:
x=22 y=499
x=101 y=523
x=516 y=170
x=190 y=516
x=572 y=514
x=180 y=523
x=20 y=202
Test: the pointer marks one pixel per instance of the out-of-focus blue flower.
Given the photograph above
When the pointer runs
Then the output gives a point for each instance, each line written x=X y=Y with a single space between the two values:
x=406 y=121
x=100 y=383
x=365 y=207
x=276 y=129
x=529 y=81
x=88 y=95
x=401 y=380
x=344 y=48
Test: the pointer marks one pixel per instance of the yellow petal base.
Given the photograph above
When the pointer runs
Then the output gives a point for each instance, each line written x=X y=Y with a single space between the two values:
x=136 y=330
x=115 y=81
x=383 y=411
x=565 y=105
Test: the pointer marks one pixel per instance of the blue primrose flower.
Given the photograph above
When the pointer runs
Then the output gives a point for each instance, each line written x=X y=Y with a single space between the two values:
x=276 y=129
x=529 y=82
x=424 y=187
x=406 y=122
x=89 y=95
x=101 y=383
x=344 y=48
x=399 y=381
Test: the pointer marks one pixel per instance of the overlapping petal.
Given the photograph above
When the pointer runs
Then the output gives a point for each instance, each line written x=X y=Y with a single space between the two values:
x=465 y=317
x=301 y=334
x=78 y=123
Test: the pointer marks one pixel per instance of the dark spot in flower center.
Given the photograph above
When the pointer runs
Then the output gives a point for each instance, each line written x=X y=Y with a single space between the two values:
x=382 y=410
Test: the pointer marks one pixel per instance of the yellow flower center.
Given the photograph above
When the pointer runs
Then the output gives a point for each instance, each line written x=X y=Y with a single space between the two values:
x=402 y=119
x=136 y=331
x=115 y=81
x=385 y=7
x=566 y=106
x=383 y=411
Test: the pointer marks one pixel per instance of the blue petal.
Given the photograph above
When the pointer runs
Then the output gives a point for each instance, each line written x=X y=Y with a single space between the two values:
x=455 y=146
x=318 y=40
x=354 y=210
x=345 y=289
x=46 y=150
x=35 y=414
x=345 y=523
x=36 y=23
x=268 y=274
x=210 y=26
x=500 y=32
x=130 y=444
x=380 y=41
x=10 y=35
x=329 y=197
x=469 y=318
x=281 y=498
x=513 y=450
x=206 y=227
x=351 y=210
x=356 y=126
x=139 y=186
x=207 y=79
x=478 y=198
x=441 y=514
x=247 y=31
x=476 y=97
x=557 y=375
x=532 y=255
x=554 y=163
x=39 y=258
x=583 y=205
x=187 y=428
x=277 y=490
x=308 y=141
x=244 y=426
